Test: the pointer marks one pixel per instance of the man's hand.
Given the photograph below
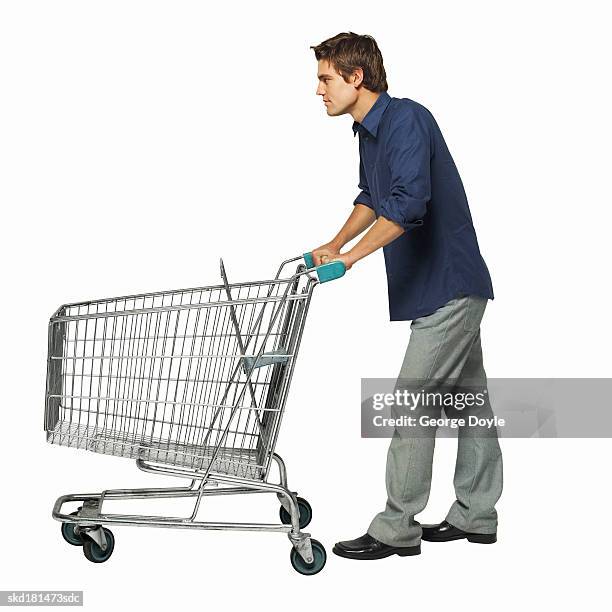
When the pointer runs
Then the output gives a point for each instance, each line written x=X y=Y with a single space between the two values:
x=325 y=253
x=346 y=259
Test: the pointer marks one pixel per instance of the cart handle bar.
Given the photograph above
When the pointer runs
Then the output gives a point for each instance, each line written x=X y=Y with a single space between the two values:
x=326 y=272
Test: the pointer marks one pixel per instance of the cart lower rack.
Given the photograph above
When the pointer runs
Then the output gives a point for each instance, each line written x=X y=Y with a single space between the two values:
x=190 y=383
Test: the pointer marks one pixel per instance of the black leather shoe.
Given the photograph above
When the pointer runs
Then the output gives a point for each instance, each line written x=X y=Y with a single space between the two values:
x=367 y=547
x=445 y=532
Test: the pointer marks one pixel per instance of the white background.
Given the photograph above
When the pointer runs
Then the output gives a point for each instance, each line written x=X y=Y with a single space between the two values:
x=140 y=141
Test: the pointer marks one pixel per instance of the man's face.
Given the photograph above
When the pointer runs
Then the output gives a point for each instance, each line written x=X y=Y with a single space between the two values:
x=338 y=95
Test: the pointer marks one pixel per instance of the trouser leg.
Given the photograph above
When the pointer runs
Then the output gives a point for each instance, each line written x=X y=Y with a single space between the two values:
x=478 y=476
x=438 y=349
x=408 y=480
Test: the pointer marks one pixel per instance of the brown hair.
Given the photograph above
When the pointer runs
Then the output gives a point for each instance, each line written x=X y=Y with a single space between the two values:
x=348 y=51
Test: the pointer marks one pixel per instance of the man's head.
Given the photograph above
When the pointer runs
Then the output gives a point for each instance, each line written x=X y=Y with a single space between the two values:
x=350 y=69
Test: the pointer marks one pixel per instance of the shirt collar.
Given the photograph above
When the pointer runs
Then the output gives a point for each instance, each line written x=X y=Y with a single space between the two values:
x=373 y=116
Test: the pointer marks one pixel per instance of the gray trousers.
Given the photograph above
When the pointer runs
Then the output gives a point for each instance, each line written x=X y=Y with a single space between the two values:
x=444 y=345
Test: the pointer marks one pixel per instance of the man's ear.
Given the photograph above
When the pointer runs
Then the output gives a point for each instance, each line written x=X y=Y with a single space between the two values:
x=357 y=77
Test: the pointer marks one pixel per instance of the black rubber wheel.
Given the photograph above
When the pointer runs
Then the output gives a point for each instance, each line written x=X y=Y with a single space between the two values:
x=94 y=553
x=318 y=563
x=305 y=513
x=69 y=534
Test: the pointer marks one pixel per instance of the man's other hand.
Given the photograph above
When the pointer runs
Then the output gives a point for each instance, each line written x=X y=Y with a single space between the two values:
x=325 y=253
x=346 y=259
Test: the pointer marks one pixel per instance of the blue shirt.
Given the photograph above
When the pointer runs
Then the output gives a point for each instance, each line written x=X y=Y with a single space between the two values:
x=407 y=175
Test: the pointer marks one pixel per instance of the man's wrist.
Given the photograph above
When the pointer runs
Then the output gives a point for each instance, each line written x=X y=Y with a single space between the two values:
x=337 y=243
x=352 y=259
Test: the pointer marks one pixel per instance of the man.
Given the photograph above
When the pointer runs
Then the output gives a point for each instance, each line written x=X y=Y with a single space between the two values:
x=413 y=202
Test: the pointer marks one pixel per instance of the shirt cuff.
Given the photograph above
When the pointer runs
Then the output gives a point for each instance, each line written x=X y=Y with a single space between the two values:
x=392 y=212
x=363 y=198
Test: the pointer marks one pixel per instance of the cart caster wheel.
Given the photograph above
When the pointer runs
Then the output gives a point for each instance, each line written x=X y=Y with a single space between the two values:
x=94 y=553
x=69 y=534
x=305 y=513
x=309 y=569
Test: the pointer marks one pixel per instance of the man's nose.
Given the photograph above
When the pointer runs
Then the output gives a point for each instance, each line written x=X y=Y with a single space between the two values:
x=320 y=91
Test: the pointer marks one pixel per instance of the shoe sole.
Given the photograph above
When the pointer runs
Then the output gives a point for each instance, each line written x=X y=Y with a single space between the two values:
x=406 y=552
x=475 y=538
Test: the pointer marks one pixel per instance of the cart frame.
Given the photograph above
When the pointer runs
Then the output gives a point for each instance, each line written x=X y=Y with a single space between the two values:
x=87 y=524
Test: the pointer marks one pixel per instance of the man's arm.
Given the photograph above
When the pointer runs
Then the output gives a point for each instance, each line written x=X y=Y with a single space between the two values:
x=360 y=219
x=379 y=235
x=409 y=158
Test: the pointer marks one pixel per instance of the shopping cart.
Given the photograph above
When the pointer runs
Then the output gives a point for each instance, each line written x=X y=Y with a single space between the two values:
x=191 y=383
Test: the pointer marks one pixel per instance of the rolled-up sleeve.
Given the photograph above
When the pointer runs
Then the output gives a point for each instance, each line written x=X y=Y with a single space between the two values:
x=364 y=197
x=409 y=155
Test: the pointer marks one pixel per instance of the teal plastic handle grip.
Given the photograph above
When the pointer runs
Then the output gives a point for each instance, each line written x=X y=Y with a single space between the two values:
x=326 y=272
